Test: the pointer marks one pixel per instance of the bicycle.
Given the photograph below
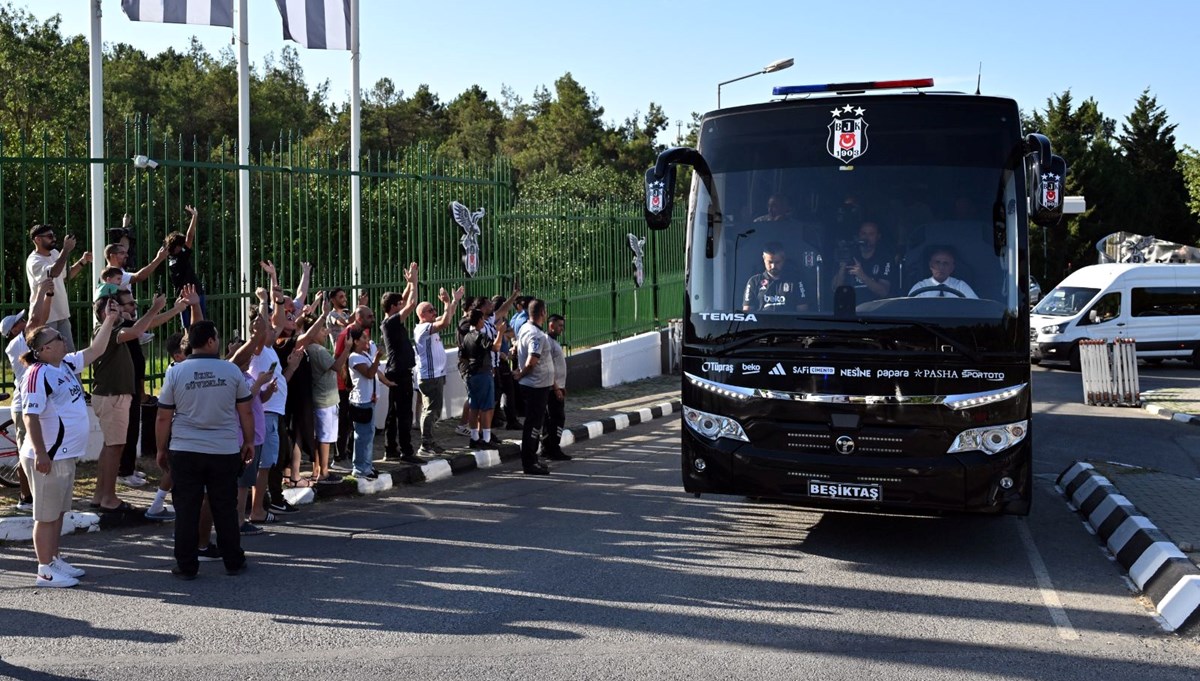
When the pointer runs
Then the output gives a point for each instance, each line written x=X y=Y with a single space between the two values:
x=10 y=460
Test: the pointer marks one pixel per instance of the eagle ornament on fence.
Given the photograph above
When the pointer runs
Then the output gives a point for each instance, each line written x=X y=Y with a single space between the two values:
x=639 y=274
x=470 y=240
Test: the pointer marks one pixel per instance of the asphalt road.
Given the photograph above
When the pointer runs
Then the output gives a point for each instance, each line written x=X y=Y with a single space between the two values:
x=606 y=570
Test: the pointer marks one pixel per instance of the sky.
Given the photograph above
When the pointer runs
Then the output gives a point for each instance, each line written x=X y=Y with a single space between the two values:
x=630 y=53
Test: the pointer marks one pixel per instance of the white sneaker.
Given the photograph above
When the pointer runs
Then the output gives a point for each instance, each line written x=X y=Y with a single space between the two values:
x=462 y=430
x=64 y=568
x=146 y=338
x=131 y=480
x=139 y=474
x=54 y=580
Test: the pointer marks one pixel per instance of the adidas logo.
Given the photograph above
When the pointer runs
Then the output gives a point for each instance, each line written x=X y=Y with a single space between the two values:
x=778 y=370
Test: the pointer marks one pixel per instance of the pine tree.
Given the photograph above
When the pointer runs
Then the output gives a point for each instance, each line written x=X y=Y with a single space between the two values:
x=1159 y=202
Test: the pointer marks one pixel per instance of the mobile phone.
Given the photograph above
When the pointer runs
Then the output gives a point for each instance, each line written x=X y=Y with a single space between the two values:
x=274 y=365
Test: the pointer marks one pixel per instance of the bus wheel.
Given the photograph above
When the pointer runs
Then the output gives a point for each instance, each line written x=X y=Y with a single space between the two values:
x=1073 y=358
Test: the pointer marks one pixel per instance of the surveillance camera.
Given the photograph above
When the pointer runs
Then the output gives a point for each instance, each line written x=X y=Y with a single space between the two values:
x=142 y=161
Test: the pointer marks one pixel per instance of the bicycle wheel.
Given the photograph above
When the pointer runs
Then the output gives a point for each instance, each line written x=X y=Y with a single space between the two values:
x=9 y=459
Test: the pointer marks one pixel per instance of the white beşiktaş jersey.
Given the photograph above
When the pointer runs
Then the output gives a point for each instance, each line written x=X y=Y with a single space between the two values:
x=55 y=395
x=431 y=354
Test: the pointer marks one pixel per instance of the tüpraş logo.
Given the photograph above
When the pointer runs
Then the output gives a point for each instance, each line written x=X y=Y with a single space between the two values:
x=728 y=316
x=717 y=367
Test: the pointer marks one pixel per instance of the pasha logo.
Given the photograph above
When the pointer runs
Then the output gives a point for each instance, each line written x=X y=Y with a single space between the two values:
x=847 y=134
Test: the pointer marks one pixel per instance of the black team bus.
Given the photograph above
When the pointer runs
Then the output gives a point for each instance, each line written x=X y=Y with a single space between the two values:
x=856 y=331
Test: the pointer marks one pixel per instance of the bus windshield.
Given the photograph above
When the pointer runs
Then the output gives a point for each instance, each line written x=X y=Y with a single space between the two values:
x=906 y=209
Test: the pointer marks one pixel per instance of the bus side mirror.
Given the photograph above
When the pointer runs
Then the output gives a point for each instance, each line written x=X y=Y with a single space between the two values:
x=660 y=197
x=1046 y=202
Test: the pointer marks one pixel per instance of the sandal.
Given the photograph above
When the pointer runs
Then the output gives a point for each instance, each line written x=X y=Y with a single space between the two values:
x=293 y=483
x=269 y=518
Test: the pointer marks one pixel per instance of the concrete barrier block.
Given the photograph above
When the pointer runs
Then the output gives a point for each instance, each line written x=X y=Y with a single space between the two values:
x=438 y=469
x=380 y=484
x=487 y=458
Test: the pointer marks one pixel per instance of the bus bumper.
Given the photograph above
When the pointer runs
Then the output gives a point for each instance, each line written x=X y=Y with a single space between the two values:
x=967 y=482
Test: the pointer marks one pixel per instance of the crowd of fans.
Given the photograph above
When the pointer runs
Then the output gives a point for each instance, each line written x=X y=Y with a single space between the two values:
x=238 y=419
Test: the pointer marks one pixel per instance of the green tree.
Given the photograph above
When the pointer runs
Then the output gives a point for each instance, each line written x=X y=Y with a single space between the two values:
x=1085 y=139
x=474 y=123
x=1189 y=165
x=45 y=76
x=1160 y=203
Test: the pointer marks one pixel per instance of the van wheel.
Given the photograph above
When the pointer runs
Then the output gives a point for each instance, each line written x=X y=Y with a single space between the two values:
x=1073 y=359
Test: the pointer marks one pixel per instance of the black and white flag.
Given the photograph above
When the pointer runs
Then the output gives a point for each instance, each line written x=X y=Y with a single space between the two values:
x=317 y=24
x=202 y=12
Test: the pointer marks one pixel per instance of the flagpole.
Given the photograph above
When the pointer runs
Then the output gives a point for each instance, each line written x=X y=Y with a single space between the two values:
x=96 y=141
x=243 y=64
x=355 y=143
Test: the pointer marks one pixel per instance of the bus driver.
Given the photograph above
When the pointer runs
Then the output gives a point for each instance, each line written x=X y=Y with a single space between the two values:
x=941 y=284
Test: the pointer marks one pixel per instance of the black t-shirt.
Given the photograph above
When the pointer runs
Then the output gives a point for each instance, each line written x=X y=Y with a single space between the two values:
x=475 y=352
x=180 y=268
x=302 y=396
x=399 y=348
x=773 y=295
x=139 y=358
x=877 y=267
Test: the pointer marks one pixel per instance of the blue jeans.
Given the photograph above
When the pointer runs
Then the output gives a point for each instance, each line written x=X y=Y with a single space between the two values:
x=364 y=443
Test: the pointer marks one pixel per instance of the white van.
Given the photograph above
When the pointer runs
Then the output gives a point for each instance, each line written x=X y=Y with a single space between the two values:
x=1156 y=305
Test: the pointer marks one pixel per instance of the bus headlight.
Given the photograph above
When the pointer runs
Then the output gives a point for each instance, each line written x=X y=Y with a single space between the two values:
x=712 y=426
x=991 y=439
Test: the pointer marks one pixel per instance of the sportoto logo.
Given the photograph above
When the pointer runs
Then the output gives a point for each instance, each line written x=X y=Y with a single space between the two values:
x=847 y=134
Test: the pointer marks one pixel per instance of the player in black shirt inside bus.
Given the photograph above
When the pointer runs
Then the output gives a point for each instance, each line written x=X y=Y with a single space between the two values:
x=772 y=291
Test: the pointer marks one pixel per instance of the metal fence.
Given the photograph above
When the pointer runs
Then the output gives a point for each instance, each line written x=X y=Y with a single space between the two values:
x=575 y=255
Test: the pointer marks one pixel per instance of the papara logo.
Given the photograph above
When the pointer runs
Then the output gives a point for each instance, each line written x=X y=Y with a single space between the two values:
x=728 y=316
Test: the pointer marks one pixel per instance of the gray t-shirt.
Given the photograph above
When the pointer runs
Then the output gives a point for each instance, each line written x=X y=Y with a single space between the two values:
x=533 y=341
x=204 y=392
x=324 y=381
x=560 y=361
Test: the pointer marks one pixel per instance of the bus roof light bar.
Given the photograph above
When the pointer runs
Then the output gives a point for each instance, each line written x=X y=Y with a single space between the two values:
x=782 y=90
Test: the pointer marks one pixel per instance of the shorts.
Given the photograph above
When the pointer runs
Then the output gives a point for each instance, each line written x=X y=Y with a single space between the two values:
x=481 y=391
x=270 y=445
x=112 y=411
x=51 y=491
x=249 y=472
x=326 y=424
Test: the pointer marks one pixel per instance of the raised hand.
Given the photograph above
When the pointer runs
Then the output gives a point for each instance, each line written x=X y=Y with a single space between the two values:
x=160 y=301
x=86 y=258
x=443 y=296
x=268 y=267
x=410 y=273
x=459 y=293
x=188 y=293
x=305 y=267
x=127 y=221
x=68 y=243
x=190 y=211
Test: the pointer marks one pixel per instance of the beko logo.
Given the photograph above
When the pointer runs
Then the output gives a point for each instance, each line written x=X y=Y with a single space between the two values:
x=717 y=367
x=729 y=316
x=985 y=375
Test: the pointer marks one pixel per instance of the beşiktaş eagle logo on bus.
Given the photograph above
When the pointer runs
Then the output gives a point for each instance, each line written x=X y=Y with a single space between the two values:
x=847 y=134
x=654 y=197
x=728 y=316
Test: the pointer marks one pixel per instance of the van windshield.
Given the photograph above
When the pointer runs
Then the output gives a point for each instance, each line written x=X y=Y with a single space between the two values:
x=1065 y=301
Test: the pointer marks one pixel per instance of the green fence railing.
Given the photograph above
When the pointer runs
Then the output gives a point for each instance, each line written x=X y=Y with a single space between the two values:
x=576 y=255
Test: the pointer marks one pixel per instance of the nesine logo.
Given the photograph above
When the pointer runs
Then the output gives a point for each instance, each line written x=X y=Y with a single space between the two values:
x=728 y=316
